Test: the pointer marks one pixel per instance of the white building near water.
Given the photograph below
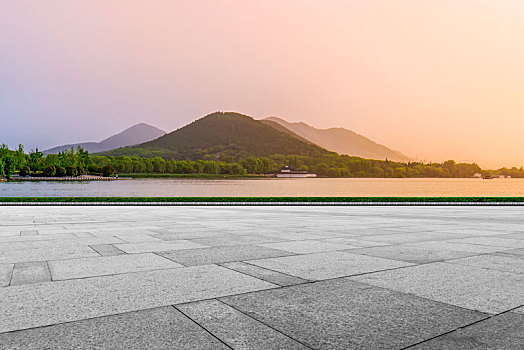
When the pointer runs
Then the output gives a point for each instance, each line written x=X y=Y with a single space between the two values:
x=288 y=172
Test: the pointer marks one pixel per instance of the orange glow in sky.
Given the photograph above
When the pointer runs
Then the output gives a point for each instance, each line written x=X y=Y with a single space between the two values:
x=436 y=80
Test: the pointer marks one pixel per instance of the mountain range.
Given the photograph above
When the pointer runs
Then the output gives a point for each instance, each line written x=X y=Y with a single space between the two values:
x=223 y=136
x=232 y=136
x=340 y=140
x=134 y=135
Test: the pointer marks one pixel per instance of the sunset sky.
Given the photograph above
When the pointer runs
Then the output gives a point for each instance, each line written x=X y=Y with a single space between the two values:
x=436 y=80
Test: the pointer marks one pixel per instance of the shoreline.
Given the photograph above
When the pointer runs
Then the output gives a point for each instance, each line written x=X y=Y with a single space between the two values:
x=262 y=201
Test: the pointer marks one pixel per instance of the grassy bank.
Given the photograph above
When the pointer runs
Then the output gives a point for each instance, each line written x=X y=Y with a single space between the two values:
x=192 y=176
x=263 y=199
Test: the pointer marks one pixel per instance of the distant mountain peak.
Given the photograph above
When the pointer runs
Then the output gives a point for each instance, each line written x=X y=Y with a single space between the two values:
x=136 y=134
x=340 y=140
x=224 y=136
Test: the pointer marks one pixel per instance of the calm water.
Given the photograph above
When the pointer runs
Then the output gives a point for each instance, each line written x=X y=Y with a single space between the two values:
x=269 y=187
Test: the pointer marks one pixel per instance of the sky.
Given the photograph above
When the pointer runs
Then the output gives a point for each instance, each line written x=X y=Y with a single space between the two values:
x=436 y=80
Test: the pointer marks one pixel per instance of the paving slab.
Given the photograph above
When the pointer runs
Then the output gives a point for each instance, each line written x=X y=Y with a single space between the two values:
x=58 y=236
x=465 y=286
x=236 y=329
x=342 y=314
x=322 y=266
x=148 y=247
x=108 y=265
x=411 y=254
x=505 y=331
x=42 y=304
x=355 y=242
x=306 y=247
x=414 y=237
x=107 y=249
x=519 y=310
x=30 y=272
x=494 y=242
x=47 y=253
x=160 y=328
x=189 y=234
x=236 y=240
x=6 y=271
x=292 y=236
x=214 y=255
x=514 y=252
x=494 y=262
x=519 y=235
x=132 y=238
x=28 y=232
x=270 y=276
x=43 y=244
x=458 y=247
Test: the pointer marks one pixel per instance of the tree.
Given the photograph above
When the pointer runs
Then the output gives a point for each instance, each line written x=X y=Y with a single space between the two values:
x=71 y=171
x=60 y=171
x=34 y=160
x=9 y=165
x=49 y=171
x=211 y=167
x=24 y=171
x=159 y=165
x=237 y=169
x=108 y=170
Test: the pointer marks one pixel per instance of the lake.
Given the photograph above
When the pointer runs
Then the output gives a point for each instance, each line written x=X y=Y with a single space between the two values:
x=268 y=187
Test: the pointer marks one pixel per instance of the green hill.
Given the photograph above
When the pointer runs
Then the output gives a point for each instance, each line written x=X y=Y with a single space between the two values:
x=223 y=136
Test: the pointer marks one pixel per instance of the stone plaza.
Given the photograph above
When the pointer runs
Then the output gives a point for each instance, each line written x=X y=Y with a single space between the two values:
x=261 y=277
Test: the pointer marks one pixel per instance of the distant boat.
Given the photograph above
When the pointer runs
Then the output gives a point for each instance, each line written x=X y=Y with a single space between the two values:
x=288 y=172
x=487 y=177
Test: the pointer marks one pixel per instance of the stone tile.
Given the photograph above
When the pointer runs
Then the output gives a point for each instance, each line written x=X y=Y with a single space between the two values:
x=494 y=262
x=291 y=236
x=108 y=265
x=504 y=331
x=147 y=247
x=47 y=253
x=411 y=254
x=514 y=252
x=43 y=244
x=42 y=304
x=84 y=235
x=28 y=232
x=61 y=236
x=414 y=237
x=306 y=247
x=322 y=266
x=6 y=271
x=30 y=272
x=519 y=310
x=341 y=314
x=107 y=249
x=214 y=255
x=236 y=240
x=160 y=328
x=355 y=242
x=264 y=274
x=189 y=234
x=519 y=235
x=465 y=286
x=457 y=247
x=236 y=329
x=494 y=242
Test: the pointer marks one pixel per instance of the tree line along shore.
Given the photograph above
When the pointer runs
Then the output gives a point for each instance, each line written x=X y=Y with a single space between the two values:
x=79 y=162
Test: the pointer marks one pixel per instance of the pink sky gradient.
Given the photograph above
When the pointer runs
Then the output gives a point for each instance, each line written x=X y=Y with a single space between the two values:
x=436 y=80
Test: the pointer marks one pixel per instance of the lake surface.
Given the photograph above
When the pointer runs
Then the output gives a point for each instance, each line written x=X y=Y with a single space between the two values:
x=268 y=187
